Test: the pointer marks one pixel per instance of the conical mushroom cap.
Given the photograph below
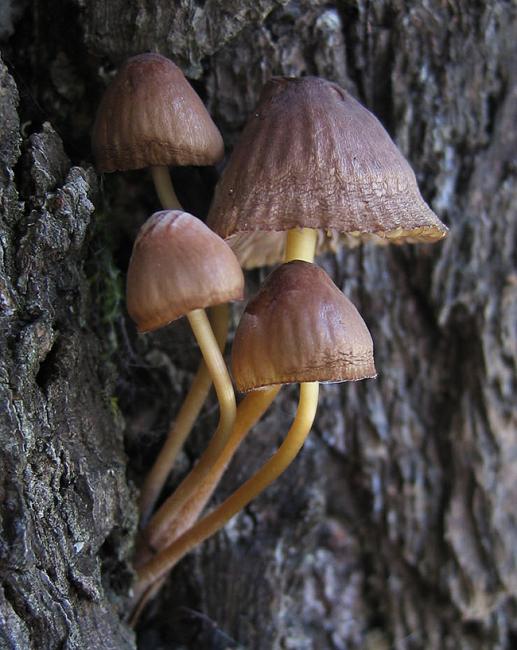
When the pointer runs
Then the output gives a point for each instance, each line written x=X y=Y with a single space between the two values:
x=312 y=156
x=178 y=264
x=300 y=327
x=151 y=115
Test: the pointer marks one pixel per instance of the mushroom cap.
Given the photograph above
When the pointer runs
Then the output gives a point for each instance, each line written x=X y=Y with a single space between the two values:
x=312 y=156
x=151 y=115
x=299 y=328
x=178 y=264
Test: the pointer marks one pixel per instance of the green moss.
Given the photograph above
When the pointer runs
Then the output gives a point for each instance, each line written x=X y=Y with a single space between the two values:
x=115 y=409
x=106 y=285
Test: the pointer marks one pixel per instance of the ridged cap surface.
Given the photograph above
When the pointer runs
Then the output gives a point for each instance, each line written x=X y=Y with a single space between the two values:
x=151 y=115
x=299 y=328
x=312 y=156
x=178 y=264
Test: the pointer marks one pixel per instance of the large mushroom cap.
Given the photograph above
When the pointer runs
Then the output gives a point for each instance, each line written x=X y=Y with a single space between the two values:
x=312 y=156
x=300 y=328
x=178 y=264
x=151 y=115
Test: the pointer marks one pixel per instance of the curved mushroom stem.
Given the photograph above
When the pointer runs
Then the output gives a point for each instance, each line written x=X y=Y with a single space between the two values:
x=301 y=244
x=222 y=383
x=178 y=520
x=188 y=413
x=249 y=412
x=210 y=524
x=226 y=396
x=164 y=188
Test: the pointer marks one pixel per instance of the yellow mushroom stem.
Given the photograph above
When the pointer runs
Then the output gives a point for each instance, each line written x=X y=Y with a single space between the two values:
x=185 y=420
x=153 y=570
x=164 y=188
x=178 y=520
x=226 y=396
x=222 y=383
x=301 y=244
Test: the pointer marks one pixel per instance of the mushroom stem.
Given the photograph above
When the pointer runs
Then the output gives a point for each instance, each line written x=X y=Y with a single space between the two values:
x=210 y=524
x=164 y=188
x=301 y=244
x=222 y=383
x=180 y=429
x=249 y=412
x=226 y=396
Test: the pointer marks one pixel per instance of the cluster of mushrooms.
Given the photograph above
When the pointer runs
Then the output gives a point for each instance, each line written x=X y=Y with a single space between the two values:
x=312 y=169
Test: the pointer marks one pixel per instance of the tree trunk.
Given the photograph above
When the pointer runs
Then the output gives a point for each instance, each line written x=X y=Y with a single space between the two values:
x=395 y=527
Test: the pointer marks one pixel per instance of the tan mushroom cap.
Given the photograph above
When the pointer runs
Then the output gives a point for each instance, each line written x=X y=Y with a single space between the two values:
x=312 y=156
x=178 y=264
x=300 y=328
x=151 y=115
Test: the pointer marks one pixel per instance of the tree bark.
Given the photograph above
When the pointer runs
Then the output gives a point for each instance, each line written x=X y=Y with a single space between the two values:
x=396 y=525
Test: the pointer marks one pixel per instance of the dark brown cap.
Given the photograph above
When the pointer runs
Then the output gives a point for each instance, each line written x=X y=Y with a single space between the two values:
x=312 y=156
x=151 y=115
x=299 y=328
x=178 y=264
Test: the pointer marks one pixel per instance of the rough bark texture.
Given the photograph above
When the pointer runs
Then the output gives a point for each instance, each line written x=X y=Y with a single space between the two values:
x=396 y=527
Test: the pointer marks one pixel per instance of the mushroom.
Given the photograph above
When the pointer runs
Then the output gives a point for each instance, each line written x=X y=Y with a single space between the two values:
x=179 y=267
x=150 y=116
x=312 y=158
x=299 y=328
x=311 y=161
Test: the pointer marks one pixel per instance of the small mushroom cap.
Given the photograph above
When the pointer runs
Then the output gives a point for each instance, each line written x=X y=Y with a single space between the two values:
x=151 y=115
x=300 y=327
x=312 y=156
x=178 y=264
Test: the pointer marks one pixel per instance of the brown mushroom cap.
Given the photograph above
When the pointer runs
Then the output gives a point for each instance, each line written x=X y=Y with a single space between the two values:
x=151 y=115
x=312 y=156
x=299 y=328
x=178 y=264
